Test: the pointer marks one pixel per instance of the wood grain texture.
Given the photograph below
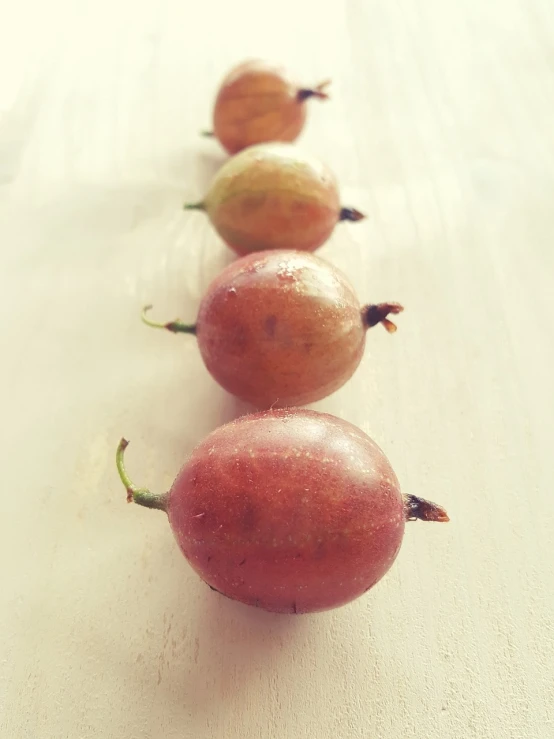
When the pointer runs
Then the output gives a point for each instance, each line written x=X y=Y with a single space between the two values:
x=441 y=127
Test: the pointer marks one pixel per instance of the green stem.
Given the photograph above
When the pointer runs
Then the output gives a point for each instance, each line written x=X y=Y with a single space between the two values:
x=176 y=326
x=141 y=496
x=194 y=206
x=207 y=134
x=424 y=510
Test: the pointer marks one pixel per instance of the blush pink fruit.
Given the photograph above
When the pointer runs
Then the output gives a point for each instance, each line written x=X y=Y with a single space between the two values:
x=282 y=328
x=292 y=511
x=258 y=102
x=273 y=196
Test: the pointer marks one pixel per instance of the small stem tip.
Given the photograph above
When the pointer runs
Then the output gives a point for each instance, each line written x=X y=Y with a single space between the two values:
x=313 y=92
x=350 y=214
x=419 y=508
x=141 y=496
x=176 y=326
x=374 y=314
x=194 y=206
x=207 y=134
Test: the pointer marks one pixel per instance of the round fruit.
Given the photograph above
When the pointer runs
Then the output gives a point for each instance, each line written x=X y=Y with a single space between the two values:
x=273 y=196
x=258 y=102
x=281 y=328
x=292 y=511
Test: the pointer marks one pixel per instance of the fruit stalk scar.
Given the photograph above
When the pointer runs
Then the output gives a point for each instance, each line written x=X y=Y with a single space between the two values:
x=176 y=326
x=141 y=496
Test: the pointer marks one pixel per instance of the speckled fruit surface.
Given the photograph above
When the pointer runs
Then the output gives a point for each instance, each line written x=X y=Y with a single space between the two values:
x=257 y=102
x=273 y=196
x=281 y=328
x=290 y=510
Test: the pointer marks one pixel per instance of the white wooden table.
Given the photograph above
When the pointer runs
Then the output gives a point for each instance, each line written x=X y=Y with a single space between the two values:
x=441 y=126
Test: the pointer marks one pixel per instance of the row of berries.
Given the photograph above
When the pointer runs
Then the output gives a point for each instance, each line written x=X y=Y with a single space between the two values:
x=286 y=509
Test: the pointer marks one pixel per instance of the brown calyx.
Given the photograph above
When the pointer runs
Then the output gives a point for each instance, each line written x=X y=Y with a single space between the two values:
x=423 y=510
x=377 y=313
x=351 y=214
x=313 y=92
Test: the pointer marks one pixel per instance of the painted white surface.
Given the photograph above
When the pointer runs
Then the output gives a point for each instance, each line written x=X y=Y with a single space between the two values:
x=441 y=127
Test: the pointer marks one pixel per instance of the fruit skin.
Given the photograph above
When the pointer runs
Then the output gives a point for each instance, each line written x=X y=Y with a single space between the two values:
x=281 y=328
x=257 y=102
x=290 y=510
x=293 y=511
x=273 y=196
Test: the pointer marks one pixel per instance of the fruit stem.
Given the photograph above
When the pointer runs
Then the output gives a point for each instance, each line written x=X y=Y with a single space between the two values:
x=314 y=92
x=207 y=134
x=419 y=508
x=194 y=206
x=374 y=314
x=350 y=214
x=141 y=496
x=176 y=327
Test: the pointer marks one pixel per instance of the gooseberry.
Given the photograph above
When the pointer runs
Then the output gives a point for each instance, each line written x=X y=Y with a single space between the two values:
x=258 y=102
x=292 y=511
x=273 y=196
x=281 y=328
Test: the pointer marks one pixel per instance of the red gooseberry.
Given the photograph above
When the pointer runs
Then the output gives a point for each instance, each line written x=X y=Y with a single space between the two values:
x=292 y=511
x=281 y=328
x=273 y=196
x=258 y=102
